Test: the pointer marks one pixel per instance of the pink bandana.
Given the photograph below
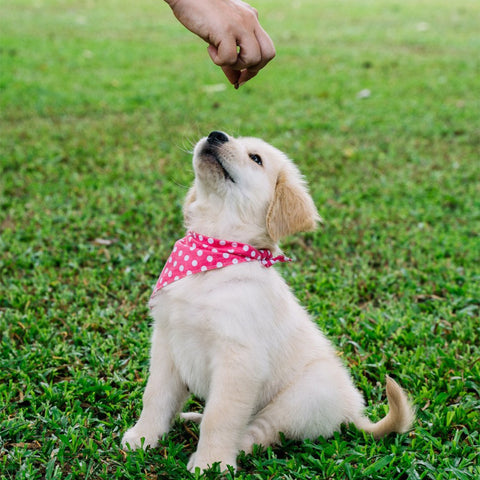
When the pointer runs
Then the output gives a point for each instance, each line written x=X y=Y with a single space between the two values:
x=197 y=253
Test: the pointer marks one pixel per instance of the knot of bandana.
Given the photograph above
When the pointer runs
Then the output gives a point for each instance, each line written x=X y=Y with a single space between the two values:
x=196 y=253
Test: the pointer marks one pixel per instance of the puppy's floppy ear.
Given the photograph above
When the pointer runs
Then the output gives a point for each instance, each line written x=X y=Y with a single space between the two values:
x=292 y=209
x=189 y=199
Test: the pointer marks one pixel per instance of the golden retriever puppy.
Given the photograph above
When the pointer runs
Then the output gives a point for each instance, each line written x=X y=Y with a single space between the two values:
x=228 y=328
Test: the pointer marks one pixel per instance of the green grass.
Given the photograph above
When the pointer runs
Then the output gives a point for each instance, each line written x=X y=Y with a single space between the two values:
x=100 y=103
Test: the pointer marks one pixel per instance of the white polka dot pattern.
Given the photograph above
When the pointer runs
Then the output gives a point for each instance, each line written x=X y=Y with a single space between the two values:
x=197 y=253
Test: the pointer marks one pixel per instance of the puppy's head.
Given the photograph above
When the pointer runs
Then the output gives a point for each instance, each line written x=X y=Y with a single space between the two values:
x=247 y=190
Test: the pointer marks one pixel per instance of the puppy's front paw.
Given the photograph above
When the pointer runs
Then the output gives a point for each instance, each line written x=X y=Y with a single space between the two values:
x=133 y=439
x=191 y=463
x=205 y=463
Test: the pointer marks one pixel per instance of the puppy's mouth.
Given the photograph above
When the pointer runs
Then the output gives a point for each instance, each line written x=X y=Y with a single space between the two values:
x=211 y=155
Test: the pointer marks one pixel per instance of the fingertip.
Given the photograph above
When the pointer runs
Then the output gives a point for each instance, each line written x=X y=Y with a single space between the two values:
x=245 y=76
x=232 y=75
x=212 y=50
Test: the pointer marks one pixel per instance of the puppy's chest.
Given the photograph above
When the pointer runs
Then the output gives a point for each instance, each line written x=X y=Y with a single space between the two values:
x=192 y=355
x=207 y=319
x=191 y=340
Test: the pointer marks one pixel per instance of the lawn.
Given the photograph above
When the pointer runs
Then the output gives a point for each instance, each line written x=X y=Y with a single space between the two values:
x=100 y=103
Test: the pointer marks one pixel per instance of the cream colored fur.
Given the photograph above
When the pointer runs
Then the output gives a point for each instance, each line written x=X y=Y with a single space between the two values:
x=237 y=337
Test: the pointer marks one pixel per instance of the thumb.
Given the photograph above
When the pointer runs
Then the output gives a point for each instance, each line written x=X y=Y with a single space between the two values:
x=225 y=53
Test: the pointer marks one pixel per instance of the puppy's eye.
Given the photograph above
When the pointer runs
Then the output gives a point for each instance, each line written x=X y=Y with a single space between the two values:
x=256 y=158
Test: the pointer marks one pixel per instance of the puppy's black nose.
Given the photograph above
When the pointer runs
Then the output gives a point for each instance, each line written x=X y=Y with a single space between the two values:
x=217 y=138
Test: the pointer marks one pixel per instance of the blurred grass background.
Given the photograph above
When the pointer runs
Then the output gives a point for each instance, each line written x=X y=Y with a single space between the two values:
x=100 y=103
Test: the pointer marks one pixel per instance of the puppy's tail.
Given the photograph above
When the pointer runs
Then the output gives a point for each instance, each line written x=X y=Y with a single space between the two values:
x=194 y=417
x=399 y=418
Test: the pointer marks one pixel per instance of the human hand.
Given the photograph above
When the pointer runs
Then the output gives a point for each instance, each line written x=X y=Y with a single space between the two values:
x=237 y=42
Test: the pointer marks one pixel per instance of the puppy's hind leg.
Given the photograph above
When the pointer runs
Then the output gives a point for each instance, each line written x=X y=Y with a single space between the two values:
x=314 y=404
x=164 y=395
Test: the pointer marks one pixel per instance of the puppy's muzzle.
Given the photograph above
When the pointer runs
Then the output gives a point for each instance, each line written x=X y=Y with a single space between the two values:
x=211 y=151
